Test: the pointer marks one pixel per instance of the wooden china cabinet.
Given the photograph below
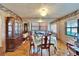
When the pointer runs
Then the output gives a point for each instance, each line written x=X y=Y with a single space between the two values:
x=25 y=27
x=13 y=33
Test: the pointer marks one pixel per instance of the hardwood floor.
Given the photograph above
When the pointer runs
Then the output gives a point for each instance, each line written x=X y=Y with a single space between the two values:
x=61 y=49
x=23 y=50
x=1 y=51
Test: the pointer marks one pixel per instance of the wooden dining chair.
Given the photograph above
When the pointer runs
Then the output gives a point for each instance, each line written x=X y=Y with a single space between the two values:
x=32 y=46
x=45 y=44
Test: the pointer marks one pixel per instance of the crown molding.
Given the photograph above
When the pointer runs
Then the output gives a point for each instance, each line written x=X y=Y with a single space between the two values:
x=76 y=12
x=5 y=9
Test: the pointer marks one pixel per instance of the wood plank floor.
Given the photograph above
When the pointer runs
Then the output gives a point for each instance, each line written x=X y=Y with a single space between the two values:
x=23 y=50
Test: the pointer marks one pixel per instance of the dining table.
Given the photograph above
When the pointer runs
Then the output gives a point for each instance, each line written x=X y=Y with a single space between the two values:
x=38 y=38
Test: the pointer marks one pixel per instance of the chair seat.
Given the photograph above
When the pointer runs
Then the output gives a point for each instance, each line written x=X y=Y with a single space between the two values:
x=32 y=44
x=44 y=46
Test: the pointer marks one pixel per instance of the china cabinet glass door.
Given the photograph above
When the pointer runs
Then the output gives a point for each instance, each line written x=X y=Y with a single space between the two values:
x=16 y=28
x=10 y=29
x=9 y=34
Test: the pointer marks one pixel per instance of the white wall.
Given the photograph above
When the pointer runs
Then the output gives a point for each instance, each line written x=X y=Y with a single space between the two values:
x=0 y=32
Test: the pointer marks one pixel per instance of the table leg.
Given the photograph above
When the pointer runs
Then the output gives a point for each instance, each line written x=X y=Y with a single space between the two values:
x=49 y=51
x=41 y=52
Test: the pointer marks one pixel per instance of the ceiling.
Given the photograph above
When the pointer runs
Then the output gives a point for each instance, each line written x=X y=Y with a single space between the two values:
x=30 y=10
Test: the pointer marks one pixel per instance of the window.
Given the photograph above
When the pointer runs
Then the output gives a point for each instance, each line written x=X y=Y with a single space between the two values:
x=43 y=26
x=54 y=28
x=35 y=26
x=39 y=26
x=72 y=27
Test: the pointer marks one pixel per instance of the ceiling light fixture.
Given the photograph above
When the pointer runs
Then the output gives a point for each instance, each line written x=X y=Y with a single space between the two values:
x=40 y=20
x=43 y=11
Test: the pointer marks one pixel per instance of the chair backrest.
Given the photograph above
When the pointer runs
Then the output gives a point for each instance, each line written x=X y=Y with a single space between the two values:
x=45 y=42
x=30 y=37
